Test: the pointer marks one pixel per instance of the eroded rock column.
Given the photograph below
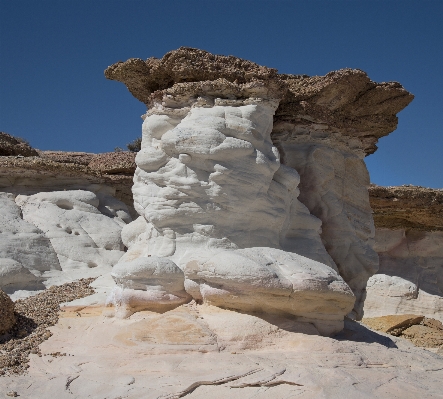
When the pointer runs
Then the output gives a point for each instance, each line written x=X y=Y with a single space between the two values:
x=229 y=147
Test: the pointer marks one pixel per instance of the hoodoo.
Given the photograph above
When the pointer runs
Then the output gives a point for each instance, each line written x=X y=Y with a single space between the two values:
x=251 y=186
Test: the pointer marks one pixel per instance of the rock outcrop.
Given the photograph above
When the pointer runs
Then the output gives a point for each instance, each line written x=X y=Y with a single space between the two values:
x=236 y=156
x=10 y=145
x=61 y=219
x=409 y=241
x=7 y=317
x=420 y=330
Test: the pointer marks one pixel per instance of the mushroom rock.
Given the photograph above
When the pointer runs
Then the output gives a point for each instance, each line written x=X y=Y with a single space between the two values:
x=236 y=157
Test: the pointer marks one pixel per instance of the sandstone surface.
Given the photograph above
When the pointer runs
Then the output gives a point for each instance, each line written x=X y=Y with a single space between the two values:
x=112 y=163
x=204 y=351
x=55 y=237
x=50 y=236
x=58 y=170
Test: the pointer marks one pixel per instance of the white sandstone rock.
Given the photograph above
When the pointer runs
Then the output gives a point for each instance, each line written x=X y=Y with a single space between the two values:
x=209 y=180
x=270 y=281
x=410 y=276
x=23 y=247
x=149 y=283
x=14 y=276
x=80 y=234
x=333 y=186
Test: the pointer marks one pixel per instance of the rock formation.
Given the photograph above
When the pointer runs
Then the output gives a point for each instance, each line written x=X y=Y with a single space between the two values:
x=409 y=240
x=61 y=219
x=237 y=158
x=7 y=317
x=420 y=330
x=10 y=145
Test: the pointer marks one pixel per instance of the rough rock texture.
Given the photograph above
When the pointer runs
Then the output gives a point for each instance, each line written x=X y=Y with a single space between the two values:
x=79 y=158
x=346 y=103
x=25 y=252
x=122 y=162
x=53 y=237
x=210 y=179
x=208 y=352
x=57 y=170
x=7 y=317
x=184 y=65
x=10 y=145
x=345 y=100
x=420 y=330
x=210 y=116
x=407 y=207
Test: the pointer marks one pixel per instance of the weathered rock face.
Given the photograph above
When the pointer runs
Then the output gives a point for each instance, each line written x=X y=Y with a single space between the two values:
x=60 y=219
x=236 y=156
x=57 y=170
x=60 y=235
x=25 y=251
x=409 y=241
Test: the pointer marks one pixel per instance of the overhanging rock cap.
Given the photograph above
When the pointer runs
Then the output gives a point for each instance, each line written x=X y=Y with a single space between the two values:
x=345 y=101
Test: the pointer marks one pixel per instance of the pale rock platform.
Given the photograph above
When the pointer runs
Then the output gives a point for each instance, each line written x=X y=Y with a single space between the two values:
x=204 y=351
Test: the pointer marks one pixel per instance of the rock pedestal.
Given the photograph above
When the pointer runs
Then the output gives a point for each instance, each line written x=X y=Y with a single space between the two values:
x=253 y=183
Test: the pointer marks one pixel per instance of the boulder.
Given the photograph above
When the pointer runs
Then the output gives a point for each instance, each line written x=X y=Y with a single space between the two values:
x=7 y=317
x=150 y=283
x=421 y=331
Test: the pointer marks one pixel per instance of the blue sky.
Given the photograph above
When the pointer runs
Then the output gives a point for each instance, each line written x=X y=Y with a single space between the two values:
x=53 y=53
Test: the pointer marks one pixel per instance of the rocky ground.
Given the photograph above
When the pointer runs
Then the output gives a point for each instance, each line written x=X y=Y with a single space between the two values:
x=200 y=351
x=33 y=317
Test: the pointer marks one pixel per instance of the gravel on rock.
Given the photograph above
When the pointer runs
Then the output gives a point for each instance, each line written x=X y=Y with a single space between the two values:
x=34 y=315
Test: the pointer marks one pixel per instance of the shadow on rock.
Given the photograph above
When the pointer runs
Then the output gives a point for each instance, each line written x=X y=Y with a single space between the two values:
x=23 y=327
x=357 y=332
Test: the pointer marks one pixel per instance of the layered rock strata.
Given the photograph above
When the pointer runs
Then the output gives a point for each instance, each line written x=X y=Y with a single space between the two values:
x=60 y=219
x=236 y=157
x=409 y=240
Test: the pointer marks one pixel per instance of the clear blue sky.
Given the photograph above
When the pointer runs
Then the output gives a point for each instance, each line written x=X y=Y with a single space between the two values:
x=53 y=53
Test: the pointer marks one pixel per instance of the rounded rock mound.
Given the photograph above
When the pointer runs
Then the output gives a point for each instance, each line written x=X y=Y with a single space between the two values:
x=7 y=318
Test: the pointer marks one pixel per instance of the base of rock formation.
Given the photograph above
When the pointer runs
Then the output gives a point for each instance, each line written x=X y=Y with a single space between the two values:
x=203 y=351
x=420 y=330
